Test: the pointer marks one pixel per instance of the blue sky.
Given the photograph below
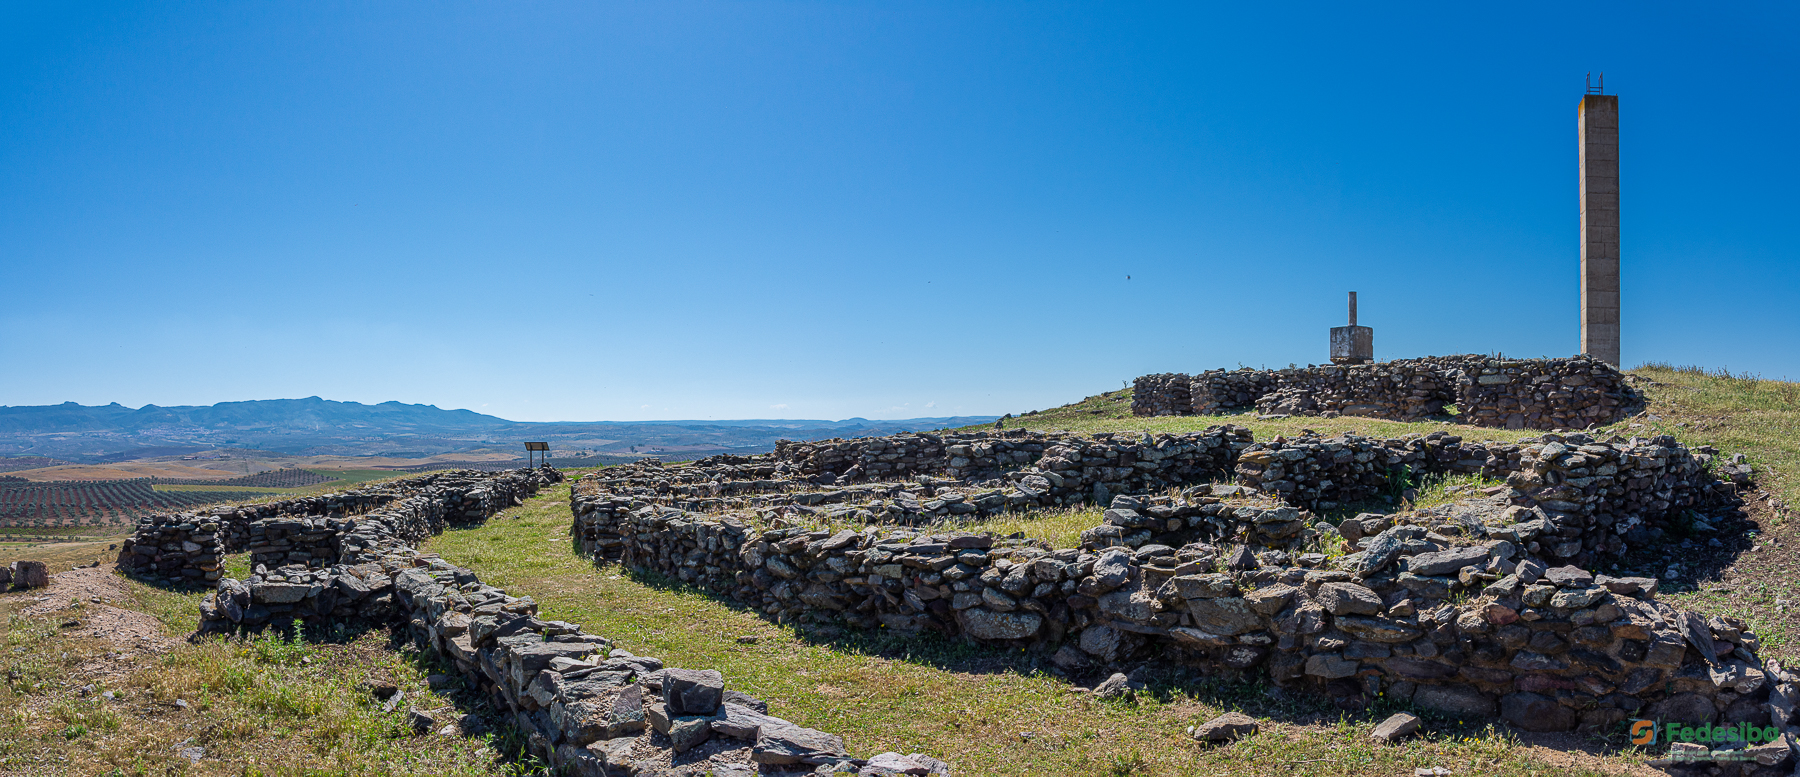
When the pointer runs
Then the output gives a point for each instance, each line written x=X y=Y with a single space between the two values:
x=594 y=211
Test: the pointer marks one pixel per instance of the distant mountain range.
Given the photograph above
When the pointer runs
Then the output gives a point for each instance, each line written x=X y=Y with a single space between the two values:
x=315 y=426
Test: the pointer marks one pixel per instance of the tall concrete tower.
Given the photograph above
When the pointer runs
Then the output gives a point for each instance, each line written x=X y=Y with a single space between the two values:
x=1598 y=122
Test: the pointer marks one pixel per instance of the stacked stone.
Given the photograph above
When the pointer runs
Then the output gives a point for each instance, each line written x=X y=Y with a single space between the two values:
x=1603 y=497
x=583 y=706
x=299 y=540
x=1543 y=393
x=178 y=547
x=189 y=546
x=1547 y=648
x=891 y=458
x=235 y=520
x=1405 y=390
x=1462 y=608
x=1064 y=470
x=1515 y=393
x=1217 y=391
x=1199 y=517
x=1162 y=394
x=1326 y=473
x=1106 y=464
x=299 y=593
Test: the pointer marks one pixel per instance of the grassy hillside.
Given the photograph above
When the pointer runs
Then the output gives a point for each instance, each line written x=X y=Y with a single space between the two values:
x=268 y=707
x=987 y=711
x=1737 y=414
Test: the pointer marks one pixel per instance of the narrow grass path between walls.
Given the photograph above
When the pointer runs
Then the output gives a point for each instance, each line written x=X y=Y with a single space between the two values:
x=113 y=687
x=985 y=711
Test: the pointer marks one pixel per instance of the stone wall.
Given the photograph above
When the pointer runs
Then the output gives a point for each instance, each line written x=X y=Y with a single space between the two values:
x=1218 y=391
x=1569 y=393
x=1067 y=464
x=190 y=546
x=1462 y=608
x=1588 y=498
x=585 y=707
x=1161 y=394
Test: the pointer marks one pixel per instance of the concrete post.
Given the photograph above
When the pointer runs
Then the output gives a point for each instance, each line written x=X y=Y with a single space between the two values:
x=1352 y=344
x=1598 y=124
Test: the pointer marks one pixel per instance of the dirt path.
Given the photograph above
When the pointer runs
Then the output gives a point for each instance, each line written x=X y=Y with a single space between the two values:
x=91 y=597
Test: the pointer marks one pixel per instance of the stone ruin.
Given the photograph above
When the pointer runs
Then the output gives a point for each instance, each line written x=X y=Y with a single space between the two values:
x=189 y=547
x=1487 y=606
x=1573 y=393
x=1483 y=607
x=583 y=706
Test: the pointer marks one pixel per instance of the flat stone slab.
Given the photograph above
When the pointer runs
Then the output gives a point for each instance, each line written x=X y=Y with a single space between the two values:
x=1395 y=727
x=1231 y=725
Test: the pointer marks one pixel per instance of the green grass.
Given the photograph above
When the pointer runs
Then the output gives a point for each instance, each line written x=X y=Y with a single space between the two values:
x=1738 y=414
x=987 y=711
x=263 y=706
x=1111 y=412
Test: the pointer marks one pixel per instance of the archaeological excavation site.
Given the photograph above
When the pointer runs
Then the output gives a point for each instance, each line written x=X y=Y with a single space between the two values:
x=1530 y=596
x=1473 y=564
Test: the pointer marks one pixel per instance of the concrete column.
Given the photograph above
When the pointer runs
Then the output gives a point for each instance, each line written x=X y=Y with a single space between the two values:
x=1598 y=122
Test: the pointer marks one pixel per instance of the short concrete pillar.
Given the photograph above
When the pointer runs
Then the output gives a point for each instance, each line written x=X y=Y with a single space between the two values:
x=1352 y=344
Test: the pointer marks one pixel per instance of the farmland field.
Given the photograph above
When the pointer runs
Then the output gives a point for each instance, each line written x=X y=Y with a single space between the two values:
x=114 y=502
x=278 y=478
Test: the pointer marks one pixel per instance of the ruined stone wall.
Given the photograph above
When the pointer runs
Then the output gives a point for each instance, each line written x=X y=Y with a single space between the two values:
x=1066 y=464
x=1453 y=619
x=585 y=707
x=1405 y=390
x=1579 y=498
x=1543 y=393
x=1464 y=608
x=442 y=500
x=1162 y=394
x=1218 y=391
x=190 y=546
x=1326 y=473
x=1513 y=393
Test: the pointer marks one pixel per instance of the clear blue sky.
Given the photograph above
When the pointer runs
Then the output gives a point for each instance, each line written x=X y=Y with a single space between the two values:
x=587 y=211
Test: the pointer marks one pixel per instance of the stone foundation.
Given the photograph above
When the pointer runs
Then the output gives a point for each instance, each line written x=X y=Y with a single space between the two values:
x=1467 y=608
x=1572 y=393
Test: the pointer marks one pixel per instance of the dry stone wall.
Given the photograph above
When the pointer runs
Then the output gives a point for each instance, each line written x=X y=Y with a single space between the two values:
x=1464 y=608
x=190 y=546
x=1579 y=498
x=1571 y=393
x=1161 y=394
x=585 y=707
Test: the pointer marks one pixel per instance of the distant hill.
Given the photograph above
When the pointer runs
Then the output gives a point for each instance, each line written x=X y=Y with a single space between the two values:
x=309 y=414
x=315 y=426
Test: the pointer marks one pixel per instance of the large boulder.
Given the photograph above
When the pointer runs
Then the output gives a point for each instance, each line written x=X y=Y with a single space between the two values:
x=30 y=574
